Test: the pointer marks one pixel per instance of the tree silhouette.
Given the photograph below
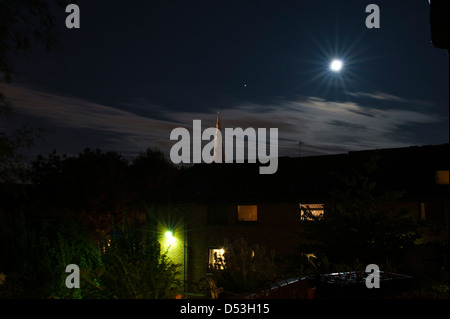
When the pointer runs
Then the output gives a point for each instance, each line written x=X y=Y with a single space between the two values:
x=23 y=24
x=98 y=186
x=149 y=170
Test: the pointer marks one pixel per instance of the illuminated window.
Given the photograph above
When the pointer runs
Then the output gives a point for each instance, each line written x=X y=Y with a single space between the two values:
x=308 y=211
x=247 y=213
x=215 y=258
x=442 y=177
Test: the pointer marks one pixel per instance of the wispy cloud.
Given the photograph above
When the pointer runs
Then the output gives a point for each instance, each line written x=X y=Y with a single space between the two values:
x=389 y=98
x=323 y=126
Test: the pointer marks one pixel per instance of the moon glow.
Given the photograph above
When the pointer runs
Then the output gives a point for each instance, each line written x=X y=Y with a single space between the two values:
x=336 y=65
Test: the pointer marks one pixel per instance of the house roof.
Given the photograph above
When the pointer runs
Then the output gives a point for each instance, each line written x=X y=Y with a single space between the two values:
x=410 y=169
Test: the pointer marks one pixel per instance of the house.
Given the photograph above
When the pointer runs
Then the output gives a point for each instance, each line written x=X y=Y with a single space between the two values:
x=210 y=202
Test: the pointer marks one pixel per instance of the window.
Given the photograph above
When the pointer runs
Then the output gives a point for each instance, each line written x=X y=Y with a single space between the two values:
x=308 y=211
x=442 y=177
x=217 y=215
x=247 y=213
x=215 y=258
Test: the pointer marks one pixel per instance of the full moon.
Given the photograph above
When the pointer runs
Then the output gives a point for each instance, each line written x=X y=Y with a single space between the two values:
x=336 y=65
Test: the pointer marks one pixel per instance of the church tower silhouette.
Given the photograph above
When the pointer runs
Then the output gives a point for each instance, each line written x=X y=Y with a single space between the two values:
x=218 y=154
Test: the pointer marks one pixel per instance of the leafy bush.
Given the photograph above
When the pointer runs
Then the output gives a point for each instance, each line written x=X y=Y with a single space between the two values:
x=132 y=266
x=34 y=252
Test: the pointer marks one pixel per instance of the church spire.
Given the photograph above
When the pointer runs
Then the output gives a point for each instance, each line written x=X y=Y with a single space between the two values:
x=218 y=155
x=218 y=121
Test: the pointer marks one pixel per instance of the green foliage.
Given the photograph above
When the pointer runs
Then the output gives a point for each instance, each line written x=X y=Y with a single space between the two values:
x=129 y=277
x=34 y=252
x=132 y=266
x=244 y=268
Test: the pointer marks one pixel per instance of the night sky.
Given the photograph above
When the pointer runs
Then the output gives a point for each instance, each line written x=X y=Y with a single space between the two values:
x=136 y=70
